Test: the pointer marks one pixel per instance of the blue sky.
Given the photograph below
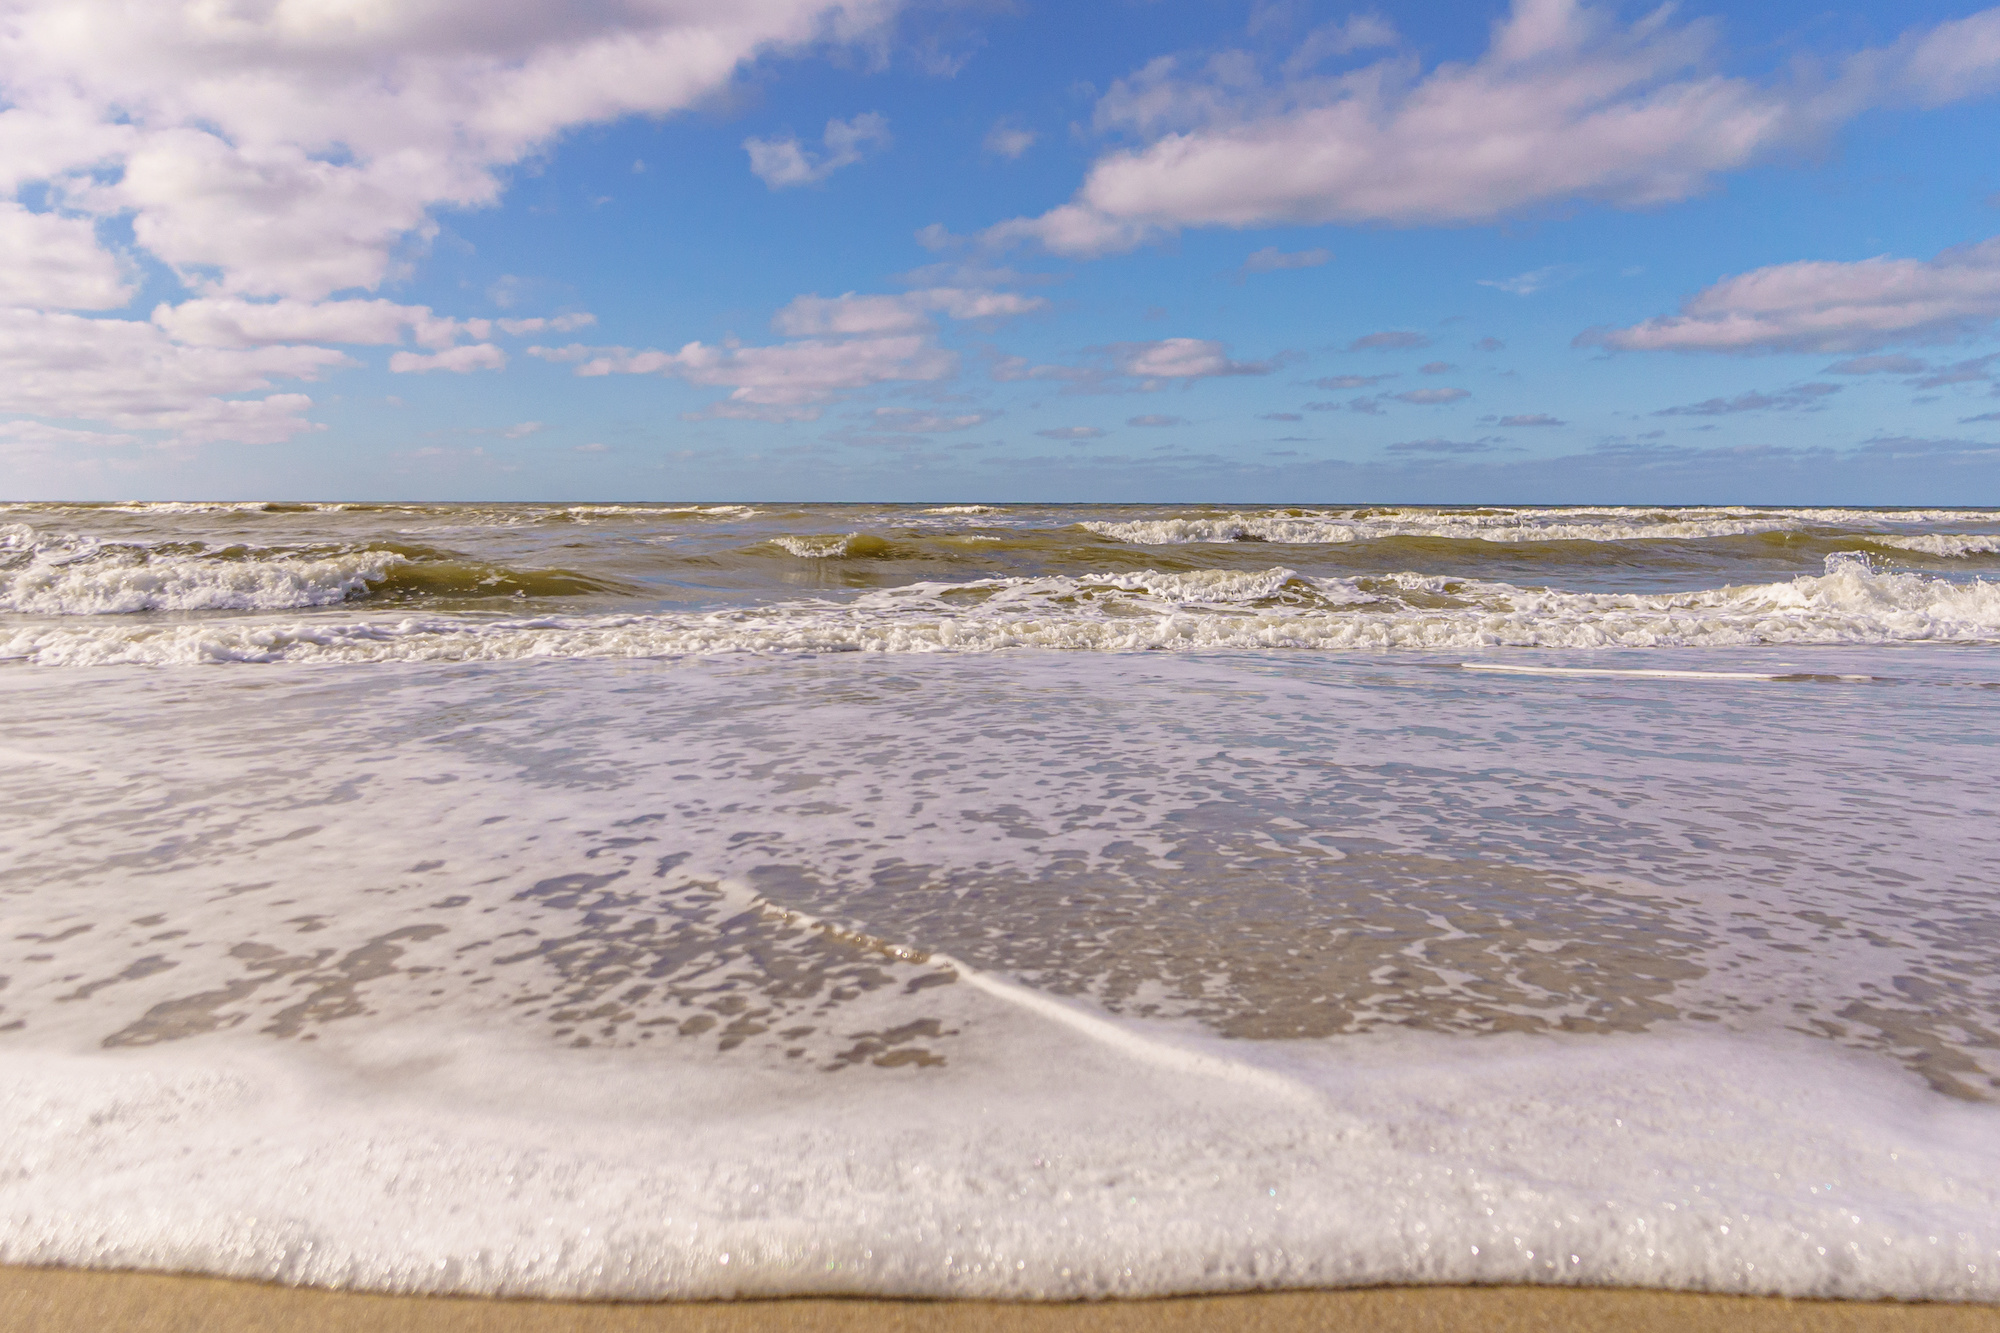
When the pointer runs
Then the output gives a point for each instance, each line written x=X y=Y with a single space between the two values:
x=1173 y=251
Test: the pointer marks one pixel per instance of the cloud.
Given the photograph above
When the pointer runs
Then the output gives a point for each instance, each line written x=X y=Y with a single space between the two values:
x=782 y=163
x=1280 y=416
x=915 y=421
x=1008 y=141
x=1153 y=419
x=1271 y=259
x=785 y=382
x=1350 y=381
x=234 y=322
x=1910 y=446
x=1530 y=419
x=1489 y=345
x=130 y=375
x=1785 y=400
x=55 y=263
x=298 y=151
x=589 y=449
x=1565 y=104
x=1075 y=433
x=1436 y=368
x=814 y=315
x=1983 y=416
x=472 y=356
x=1976 y=371
x=1877 y=365
x=1389 y=340
x=1183 y=359
x=841 y=343
x=1428 y=397
x=1826 y=306
x=1153 y=364
x=1535 y=280
x=1441 y=447
x=521 y=430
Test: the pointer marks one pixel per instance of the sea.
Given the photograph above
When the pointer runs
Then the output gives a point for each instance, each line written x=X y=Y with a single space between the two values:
x=635 y=901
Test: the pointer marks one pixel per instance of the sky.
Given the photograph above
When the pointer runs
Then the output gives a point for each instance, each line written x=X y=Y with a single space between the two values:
x=1123 y=250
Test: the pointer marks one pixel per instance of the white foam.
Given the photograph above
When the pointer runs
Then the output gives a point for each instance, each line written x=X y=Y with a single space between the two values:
x=1945 y=544
x=436 y=1162
x=76 y=576
x=1849 y=604
x=1319 y=527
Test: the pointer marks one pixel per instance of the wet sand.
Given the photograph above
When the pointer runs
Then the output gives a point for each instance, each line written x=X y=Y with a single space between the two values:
x=36 y=1300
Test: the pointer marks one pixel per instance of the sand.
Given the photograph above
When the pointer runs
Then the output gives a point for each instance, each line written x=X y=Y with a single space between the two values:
x=47 y=1300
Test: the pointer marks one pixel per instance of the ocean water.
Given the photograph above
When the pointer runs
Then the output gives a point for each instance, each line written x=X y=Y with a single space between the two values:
x=1038 y=902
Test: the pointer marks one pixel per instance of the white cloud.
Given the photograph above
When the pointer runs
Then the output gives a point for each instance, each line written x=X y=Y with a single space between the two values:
x=1823 y=306
x=55 y=263
x=840 y=344
x=472 y=356
x=1009 y=141
x=1184 y=359
x=791 y=377
x=1154 y=419
x=1153 y=364
x=130 y=375
x=780 y=163
x=1430 y=397
x=1565 y=104
x=557 y=324
x=915 y=421
x=814 y=315
x=233 y=322
x=297 y=149
x=1535 y=280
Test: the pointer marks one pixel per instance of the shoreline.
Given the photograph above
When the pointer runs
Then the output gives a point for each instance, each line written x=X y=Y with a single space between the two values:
x=62 y=1300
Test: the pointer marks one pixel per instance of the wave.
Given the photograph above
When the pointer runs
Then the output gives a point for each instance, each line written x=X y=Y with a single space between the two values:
x=1944 y=544
x=69 y=575
x=1300 y=527
x=1851 y=603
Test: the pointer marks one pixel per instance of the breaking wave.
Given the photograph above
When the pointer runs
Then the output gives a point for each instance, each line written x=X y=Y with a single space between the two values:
x=65 y=575
x=1851 y=603
x=1304 y=527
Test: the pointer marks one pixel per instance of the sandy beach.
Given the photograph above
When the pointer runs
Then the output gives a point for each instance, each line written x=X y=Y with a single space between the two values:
x=34 y=1300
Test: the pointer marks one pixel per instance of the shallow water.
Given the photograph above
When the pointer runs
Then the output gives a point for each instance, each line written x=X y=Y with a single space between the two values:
x=634 y=940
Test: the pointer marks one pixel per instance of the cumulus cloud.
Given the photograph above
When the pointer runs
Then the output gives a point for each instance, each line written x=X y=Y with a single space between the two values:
x=1154 y=419
x=130 y=375
x=781 y=163
x=1785 y=400
x=1565 y=104
x=1152 y=364
x=916 y=421
x=815 y=315
x=54 y=262
x=839 y=344
x=1077 y=434
x=1436 y=368
x=1431 y=397
x=472 y=356
x=1827 y=306
x=1530 y=419
x=285 y=153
